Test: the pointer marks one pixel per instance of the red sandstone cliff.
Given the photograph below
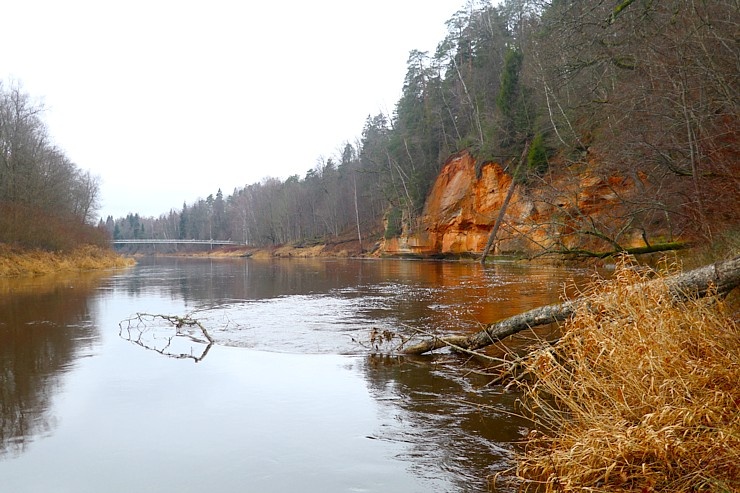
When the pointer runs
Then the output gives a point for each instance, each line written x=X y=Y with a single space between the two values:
x=578 y=211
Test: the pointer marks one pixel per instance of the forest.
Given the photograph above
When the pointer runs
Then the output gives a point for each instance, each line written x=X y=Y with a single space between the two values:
x=636 y=88
x=633 y=88
x=46 y=201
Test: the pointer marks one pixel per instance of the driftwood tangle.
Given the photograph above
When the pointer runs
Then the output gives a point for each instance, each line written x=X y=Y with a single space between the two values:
x=719 y=278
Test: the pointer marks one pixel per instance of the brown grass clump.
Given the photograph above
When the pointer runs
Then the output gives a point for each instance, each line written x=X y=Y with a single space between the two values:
x=642 y=393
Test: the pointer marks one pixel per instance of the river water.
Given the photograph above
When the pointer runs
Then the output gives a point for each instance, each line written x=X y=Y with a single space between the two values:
x=293 y=395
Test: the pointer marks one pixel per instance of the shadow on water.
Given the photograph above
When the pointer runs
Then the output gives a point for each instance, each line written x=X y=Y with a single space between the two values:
x=36 y=352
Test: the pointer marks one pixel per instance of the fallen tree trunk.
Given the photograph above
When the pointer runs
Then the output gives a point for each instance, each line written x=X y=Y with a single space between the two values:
x=658 y=247
x=719 y=278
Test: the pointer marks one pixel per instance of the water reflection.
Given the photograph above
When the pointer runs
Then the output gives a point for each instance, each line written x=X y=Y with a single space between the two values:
x=243 y=419
x=328 y=306
x=35 y=352
x=207 y=282
x=169 y=335
x=451 y=426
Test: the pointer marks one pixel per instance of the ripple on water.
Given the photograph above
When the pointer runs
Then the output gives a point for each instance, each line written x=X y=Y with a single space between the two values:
x=301 y=323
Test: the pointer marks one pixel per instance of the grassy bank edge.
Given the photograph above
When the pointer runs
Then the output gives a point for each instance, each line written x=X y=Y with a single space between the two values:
x=15 y=262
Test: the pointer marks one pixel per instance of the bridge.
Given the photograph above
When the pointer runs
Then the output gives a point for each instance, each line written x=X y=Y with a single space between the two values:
x=143 y=241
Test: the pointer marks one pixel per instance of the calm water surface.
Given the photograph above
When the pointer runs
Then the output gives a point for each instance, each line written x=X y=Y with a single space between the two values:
x=290 y=396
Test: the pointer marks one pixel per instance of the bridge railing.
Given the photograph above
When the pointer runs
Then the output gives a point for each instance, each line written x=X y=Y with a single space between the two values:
x=142 y=241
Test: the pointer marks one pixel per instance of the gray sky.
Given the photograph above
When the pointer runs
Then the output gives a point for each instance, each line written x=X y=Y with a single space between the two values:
x=166 y=101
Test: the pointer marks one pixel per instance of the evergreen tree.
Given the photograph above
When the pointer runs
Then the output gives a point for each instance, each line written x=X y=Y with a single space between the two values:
x=510 y=100
x=537 y=155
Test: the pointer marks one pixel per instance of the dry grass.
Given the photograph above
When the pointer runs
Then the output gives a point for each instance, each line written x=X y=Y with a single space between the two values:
x=642 y=393
x=21 y=262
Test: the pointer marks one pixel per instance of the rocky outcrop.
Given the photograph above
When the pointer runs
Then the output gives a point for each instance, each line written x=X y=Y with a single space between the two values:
x=576 y=211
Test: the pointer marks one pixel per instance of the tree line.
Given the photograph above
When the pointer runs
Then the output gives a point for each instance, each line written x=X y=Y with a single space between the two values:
x=46 y=201
x=633 y=88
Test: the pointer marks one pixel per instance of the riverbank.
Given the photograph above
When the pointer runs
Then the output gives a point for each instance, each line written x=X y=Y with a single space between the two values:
x=351 y=249
x=347 y=246
x=343 y=248
x=16 y=262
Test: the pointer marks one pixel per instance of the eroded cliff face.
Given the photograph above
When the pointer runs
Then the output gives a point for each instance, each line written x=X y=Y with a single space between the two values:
x=552 y=214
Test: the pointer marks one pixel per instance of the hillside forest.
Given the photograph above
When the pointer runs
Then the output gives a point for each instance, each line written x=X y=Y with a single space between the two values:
x=632 y=88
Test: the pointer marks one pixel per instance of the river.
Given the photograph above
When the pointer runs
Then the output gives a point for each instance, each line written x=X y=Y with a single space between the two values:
x=292 y=396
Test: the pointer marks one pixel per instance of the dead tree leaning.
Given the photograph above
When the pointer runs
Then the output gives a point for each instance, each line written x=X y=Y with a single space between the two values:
x=504 y=206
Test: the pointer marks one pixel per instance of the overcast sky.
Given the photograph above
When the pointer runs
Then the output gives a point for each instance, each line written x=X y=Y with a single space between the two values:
x=168 y=101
